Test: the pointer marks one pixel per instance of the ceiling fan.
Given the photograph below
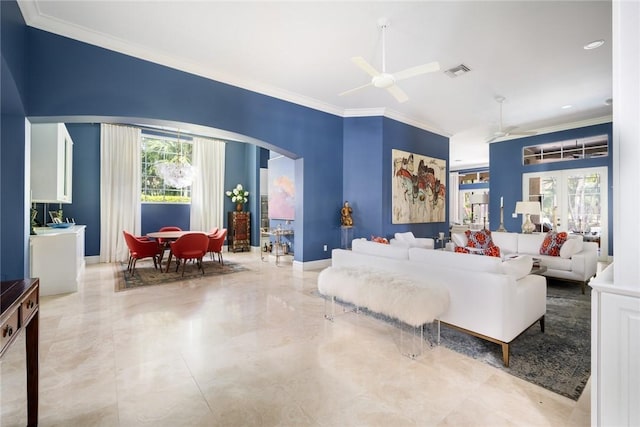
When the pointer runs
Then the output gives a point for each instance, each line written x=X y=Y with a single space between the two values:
x=508 y=131
x=386 y=80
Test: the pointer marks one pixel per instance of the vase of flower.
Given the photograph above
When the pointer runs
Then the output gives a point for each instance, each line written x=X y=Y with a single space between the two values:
x=239 y=196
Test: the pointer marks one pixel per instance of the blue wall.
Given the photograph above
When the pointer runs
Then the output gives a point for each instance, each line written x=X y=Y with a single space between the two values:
x=14 y=215
x=67 y=80
x=506 y=169
x=368 y=142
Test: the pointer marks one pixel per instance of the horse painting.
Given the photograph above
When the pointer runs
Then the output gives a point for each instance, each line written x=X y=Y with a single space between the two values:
x=418 y=194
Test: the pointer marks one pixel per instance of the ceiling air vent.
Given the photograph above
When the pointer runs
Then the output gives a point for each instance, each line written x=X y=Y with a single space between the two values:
x=457 y=71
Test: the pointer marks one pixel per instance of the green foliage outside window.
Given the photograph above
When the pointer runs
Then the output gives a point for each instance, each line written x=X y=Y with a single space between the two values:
x=156 y=149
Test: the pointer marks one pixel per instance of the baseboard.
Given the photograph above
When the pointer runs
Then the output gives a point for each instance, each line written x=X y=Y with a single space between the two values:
x=95 y=259
x=312 y=265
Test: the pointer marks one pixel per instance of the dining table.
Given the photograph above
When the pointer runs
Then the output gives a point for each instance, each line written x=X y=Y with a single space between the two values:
x=169 y=235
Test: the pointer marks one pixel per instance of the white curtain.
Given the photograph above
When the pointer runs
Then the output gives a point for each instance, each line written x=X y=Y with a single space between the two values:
x=120 y=172
x=207 y=190
x=454 y=198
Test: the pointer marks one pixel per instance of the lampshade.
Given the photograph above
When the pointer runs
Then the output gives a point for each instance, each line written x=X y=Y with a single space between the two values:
x=532 y=208
x=479 y=199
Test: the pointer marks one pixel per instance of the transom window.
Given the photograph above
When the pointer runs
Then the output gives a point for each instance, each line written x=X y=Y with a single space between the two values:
x=575 y=149
x=166 y=169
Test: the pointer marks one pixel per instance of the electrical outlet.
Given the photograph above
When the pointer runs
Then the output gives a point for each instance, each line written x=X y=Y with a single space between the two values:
x=325 y=248
x=514 y=215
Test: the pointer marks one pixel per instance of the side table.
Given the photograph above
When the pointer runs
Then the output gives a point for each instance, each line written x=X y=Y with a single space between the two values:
x=19 y=309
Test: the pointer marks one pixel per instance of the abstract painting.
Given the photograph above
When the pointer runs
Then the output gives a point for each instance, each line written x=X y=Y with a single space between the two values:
x=418 y=190
x=282 y=188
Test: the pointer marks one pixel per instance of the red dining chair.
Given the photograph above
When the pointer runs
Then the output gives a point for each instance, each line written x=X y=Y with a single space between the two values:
x=216 y=240
x=140 y=248
x=164 y=243
x=190 y=246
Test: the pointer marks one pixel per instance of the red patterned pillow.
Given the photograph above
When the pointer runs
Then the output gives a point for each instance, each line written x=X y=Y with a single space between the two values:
x=379 y=240
x=479 y=239
x=552 y=243
x=491 y=251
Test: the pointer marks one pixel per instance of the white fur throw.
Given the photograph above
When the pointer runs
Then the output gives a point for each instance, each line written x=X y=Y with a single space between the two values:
x=382 y=292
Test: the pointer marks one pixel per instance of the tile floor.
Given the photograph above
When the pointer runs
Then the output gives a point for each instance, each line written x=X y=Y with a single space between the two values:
x=251 y=348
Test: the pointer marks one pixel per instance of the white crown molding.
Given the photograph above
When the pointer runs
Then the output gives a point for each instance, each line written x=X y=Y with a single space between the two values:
x=574 y=125
x=424 y=126
x=363 y=112
x=35 y=18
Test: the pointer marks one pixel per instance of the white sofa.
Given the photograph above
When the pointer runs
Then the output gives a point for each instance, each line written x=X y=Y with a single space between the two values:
x=578 y=260
x=489 y=298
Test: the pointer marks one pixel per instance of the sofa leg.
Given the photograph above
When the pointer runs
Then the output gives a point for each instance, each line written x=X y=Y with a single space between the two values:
x=505 y=354
x=584 y=286
x=542 y=324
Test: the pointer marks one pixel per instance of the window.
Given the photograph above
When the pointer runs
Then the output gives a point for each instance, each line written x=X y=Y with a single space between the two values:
x=166 y=169
x=575 y=149
x=577 y=199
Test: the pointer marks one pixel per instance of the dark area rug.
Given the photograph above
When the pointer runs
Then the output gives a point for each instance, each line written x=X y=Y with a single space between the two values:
x=146 y=275
x=558 y=359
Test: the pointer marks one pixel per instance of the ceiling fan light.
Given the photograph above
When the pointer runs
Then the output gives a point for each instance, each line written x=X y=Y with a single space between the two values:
x=383 y=81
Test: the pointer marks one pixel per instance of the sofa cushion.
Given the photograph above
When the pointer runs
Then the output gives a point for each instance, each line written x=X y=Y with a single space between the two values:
x=460 y=239
x=508 y=242
x=555 y=262
x=407 y=237
x=570 y=248
x=518 y=267
x=530 y=243
x=552 y=243
x=366 y=247
x=457 y=261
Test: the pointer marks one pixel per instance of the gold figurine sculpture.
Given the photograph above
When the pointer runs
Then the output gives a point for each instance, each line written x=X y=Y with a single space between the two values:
x=345 y=215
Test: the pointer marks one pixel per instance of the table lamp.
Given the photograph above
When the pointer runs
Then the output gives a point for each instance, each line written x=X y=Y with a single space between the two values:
x=528 y=209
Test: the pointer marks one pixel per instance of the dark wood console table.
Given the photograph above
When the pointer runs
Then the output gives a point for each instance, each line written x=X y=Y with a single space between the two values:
x=19 y=309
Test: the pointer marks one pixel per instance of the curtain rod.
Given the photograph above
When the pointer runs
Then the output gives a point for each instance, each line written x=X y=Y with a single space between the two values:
x=178 y=133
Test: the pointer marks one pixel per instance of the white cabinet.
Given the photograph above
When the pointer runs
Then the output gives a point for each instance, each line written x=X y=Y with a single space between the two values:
x=57 y=258
x=51 y=163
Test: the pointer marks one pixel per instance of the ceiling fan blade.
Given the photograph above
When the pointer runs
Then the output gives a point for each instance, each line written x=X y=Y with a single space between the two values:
x=417 y=70
x=398 y=94
x=346 y=92
x=523 y=133
x=365 y=66
x=511 y=131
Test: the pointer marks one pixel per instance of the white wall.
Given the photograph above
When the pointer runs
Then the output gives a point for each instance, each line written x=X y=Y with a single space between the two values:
x=615 y=350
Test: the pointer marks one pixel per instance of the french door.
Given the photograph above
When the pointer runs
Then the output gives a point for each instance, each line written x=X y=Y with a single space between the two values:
x=576 y=198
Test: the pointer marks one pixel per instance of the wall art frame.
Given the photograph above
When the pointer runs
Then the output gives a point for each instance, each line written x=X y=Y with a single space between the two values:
x=418 y=188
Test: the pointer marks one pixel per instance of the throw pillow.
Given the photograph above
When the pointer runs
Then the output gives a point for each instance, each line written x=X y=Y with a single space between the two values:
x=492 y=251
x=552 y=243
x=570 y=248
x=379 y=240
x=479 y=239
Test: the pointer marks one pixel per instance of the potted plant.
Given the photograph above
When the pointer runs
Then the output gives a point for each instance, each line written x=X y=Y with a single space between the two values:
x=239 y=196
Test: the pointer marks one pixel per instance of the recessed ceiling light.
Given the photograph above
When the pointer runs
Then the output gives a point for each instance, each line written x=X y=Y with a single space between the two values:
x=594 y=44
x=566 y=107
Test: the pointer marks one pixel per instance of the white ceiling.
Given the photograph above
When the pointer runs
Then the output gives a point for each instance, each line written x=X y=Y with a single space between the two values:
x=529 y=52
